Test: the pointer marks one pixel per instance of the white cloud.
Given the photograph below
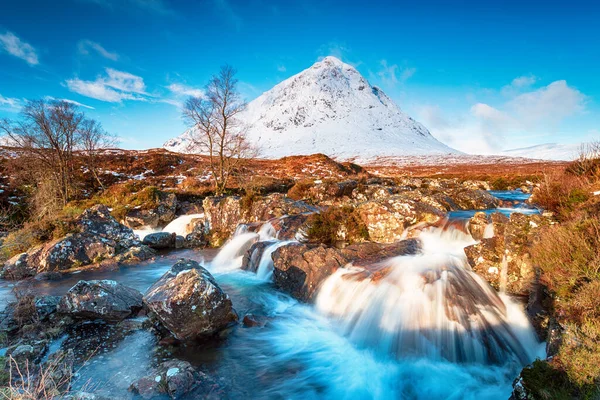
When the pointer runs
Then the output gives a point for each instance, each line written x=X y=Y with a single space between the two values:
x=393 y=74
x=281 y=68
x=115 y=87
x=10 y=103
x=548 y=105
x=70 y=101
x=523 y=81
x=184 y=90
x=85 y=46
x=488 y=129
x=16 y=47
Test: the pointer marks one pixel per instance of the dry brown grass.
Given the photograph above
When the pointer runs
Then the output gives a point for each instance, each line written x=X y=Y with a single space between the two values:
x=37 y=383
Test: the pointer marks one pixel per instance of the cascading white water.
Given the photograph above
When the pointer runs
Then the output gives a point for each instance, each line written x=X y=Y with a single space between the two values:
x=231 y=255
x=179 y=225
x=428 y=305
x=264 y=270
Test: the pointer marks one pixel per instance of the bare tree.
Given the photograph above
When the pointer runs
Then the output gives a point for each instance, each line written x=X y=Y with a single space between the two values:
x=48 y=135
x=93 y=140
x=216 y=130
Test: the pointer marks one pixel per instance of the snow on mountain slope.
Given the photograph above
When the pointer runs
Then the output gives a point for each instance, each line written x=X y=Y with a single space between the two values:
x=330 y=108
x=548 y=151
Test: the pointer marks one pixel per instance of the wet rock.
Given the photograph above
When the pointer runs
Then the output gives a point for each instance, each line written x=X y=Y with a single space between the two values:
x=478 y=225
x=300 y=269
x=252 y=321
x=387 y=219
x=99 y=236
x=135 y=254
x=160 y=240
x=46 y=306
x=253 y=256
x=177 y=379
x=289 y=227
x=106 y=300
x=189 y=303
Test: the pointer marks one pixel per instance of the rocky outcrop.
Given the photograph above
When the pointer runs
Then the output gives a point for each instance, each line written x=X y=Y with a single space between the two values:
x=223 y=214
x=160 y=215
x=329 y=192
x=189 y=303
x=299 y=269
x=99 y=237
x=387 y=219
x=176 y=379
x=107 y=300
x=504 y=260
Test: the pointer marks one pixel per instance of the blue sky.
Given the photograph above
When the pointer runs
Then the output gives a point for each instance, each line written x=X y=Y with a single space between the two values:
x=482 y=77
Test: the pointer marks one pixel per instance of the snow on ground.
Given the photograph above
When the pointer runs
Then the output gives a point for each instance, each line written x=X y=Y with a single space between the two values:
x=548 y=151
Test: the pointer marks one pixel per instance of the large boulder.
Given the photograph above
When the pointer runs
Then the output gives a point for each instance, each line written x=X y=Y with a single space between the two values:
x=107 y=300
x=387 y=219
x=176 y=379
x=289 y=227
x=189 y=303
x=99 y=237
x=300 y=269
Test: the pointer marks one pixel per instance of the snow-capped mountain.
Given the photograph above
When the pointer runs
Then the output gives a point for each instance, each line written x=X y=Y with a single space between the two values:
x=330 y=108
x=548 y=151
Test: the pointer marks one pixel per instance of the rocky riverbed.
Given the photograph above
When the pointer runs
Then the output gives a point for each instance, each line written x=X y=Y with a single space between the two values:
x=272 y=314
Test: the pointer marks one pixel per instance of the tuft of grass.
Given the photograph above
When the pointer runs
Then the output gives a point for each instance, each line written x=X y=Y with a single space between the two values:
x=300 y=190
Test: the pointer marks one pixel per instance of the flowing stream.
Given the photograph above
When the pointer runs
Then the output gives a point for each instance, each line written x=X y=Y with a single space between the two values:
x=419 y=326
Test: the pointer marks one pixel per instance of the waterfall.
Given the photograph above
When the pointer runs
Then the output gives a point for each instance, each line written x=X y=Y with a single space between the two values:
x=264 y=270
x=232 y=253
x=428 y=305
x=179 y=224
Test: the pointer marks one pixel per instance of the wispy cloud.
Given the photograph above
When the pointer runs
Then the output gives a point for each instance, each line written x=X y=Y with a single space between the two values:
x=281 y=68
x=18 y=48
x=70 y=101
x=10 y=103
x=180 y=89
x=392 y=74
x=114 y=87
x=85 y=46
x=488 y=129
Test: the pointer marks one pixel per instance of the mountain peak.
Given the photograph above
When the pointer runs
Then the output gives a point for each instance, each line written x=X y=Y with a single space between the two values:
x=330 y=108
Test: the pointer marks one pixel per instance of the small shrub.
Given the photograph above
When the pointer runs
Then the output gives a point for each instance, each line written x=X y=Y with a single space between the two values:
x=25 y=312
x=581 y=357
x=568 y=256
x=336 y=224
x=300 y=190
